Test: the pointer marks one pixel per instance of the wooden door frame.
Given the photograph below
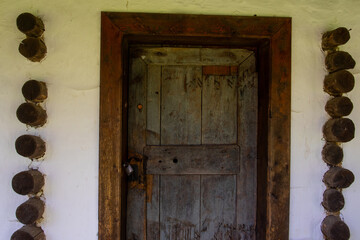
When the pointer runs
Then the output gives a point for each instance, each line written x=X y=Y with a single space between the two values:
x=269 y=37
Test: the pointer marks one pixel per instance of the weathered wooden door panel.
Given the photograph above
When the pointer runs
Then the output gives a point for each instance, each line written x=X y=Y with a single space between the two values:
x=179 y=207
x=136 y=197
x=201 y=159
x=247 y=139
x=153 y=105
x=218 y=202
x=219 y=122
x=192 y=142
x=180 y=105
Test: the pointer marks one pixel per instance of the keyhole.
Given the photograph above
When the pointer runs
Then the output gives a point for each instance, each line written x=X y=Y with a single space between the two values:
x=175 y=160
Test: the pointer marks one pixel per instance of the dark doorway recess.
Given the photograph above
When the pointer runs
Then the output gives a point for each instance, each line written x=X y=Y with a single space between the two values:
x=268 y=37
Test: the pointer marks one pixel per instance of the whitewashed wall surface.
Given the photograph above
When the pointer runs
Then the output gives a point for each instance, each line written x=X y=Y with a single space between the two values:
x=71 y=70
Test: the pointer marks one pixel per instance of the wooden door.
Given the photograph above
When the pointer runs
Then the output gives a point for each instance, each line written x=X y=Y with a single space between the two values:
x=192 y=133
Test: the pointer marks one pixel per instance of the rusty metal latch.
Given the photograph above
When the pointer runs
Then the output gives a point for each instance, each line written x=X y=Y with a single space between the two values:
x=128 y=168
x=135 y=169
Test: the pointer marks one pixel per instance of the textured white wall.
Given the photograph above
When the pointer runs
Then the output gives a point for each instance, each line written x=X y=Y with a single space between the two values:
x=71 y=70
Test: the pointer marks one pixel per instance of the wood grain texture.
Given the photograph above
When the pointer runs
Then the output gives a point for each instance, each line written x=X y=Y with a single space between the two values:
x=181 y=105
x=279 y=135
x=218 y=207
x=153 y=105
x=112 y=198
x=191 y=56
x=334 y=228
x=339 y=130
x=137 y=106
x=30 y=146
x=339 y=107
x=180 y=207
x=332 y=153
x=30 y=211
x=33 y=49
x=34 y=91
x=219 y=109
x=30 y=25
x=333 y=200
x=29 y=232
x=211 y=159
x=135 y=217
x=28 y=182
x=220 y=70
x=334 y=38
x=31 y=114
x=337 y=177
x=270 y=36
x=339 y=60
x=197 y=25
x=338 y=83
x=153 y=210
x=247 y=121
x=153 y=138
x=262 y=140
x=136 y=199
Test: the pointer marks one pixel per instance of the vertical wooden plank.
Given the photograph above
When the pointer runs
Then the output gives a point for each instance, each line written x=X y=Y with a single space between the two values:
x=219 y=109
x=136 y=199
x=152 y=208
x=153 y=138
x=181 y=105
x=153 y=105
x=112 y=197
x=179 y=207
x=262 y=208
x=137 y=106
x=279 y=134
x=135 y=215
x=247 y=139
x=218 y=206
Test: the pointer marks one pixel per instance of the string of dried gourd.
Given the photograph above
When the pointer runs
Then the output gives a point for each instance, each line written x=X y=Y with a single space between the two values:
x=337 y=130
x=32 y=114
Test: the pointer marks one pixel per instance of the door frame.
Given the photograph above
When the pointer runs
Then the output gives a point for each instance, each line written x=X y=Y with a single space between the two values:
x=269 y=37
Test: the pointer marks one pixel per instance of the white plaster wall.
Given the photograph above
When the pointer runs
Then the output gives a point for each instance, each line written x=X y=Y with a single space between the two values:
x=71 y=70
